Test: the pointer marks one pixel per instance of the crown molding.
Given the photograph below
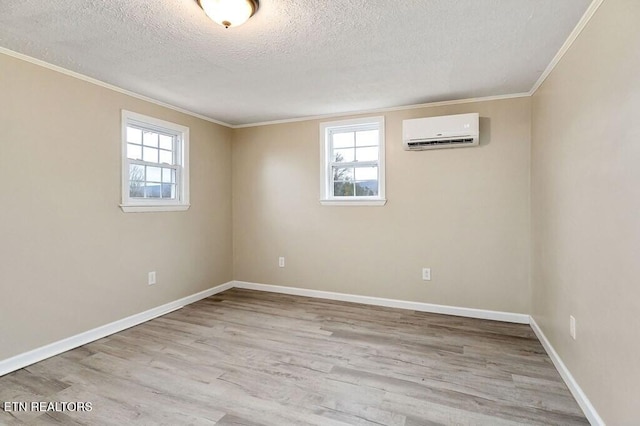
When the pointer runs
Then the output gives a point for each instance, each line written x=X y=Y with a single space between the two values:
x=586 y=17
x=101 y=83
x=380 y=110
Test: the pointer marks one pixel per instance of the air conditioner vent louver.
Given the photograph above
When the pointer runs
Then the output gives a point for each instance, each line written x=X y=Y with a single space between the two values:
x=449 y=131
x=441 y=142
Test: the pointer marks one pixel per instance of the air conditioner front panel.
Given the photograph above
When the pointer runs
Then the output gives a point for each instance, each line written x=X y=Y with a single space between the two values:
x=441 y=132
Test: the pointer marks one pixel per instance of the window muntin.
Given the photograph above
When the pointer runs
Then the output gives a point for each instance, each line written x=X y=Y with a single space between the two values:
x=154 y=163
x=353 y=160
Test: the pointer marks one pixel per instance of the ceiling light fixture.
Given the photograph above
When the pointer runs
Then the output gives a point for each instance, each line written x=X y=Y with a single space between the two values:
x=229 y=13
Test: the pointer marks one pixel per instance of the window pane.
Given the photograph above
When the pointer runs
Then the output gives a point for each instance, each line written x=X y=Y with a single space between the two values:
x=136 y=173
x=168 y=176
x=343 y=174
x=166 y=142
x=367 y=138
x=166 y=157
x=150 y=154
x=136 y=190
x=168 y=191
x=153 y=174
x=134 y=135
x=367 y=154
x=134 y=152
x=367 y=189
x=342 y=189
x=340 y=155
x=152 y=190
x=343 y=140
x=362 y=173
x=366 y=181
x=136 y=181
x=150 y=139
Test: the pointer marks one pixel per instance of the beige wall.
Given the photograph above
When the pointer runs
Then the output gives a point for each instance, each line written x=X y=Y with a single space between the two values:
x=70 y=259
x=586 y=210
x=462 y=212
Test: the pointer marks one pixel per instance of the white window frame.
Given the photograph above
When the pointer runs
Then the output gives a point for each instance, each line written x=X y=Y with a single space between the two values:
x=326 y=186
x=181 y=202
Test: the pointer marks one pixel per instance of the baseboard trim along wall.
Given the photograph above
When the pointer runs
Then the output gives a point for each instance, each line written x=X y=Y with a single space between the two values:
x=587 y=408
x=20 y=361
x=390 y=303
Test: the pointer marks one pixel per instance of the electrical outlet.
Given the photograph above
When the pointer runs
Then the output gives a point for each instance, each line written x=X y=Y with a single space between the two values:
x=426 y=274
x=572 y=327
x=281 y=262
x=152 y=278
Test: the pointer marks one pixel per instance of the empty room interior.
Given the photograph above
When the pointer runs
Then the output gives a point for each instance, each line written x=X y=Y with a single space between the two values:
x=277 y=212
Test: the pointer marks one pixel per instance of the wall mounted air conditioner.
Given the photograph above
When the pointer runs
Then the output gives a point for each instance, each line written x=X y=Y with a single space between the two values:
x=449 y=131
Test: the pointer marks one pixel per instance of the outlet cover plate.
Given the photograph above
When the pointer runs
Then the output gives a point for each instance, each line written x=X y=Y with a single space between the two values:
x=426 y=274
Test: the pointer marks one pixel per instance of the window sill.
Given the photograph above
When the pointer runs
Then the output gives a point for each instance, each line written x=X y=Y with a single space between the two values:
x=130 y=208
x=378 y=202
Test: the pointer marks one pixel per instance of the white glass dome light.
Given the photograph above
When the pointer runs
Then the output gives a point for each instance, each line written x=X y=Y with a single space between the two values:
x=229 y=13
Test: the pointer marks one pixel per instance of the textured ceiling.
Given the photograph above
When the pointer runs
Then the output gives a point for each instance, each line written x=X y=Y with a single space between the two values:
x=297 y=58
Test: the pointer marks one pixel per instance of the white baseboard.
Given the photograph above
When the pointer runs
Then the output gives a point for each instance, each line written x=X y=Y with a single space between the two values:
x=584 y=403
x=20 y=361
x=390 y=303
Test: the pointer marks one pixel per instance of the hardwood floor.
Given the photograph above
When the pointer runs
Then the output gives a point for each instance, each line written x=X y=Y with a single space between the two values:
x=250 y=358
